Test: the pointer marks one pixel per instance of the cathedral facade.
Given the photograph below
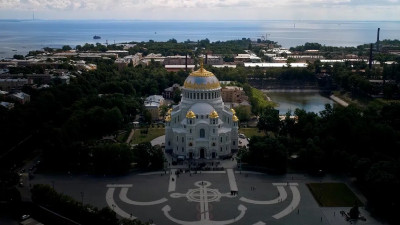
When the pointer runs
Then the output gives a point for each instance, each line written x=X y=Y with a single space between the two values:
x=201 y=126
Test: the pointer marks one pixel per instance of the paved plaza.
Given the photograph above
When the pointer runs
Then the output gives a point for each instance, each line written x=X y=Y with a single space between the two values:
x=225 y=195
x=210 y=197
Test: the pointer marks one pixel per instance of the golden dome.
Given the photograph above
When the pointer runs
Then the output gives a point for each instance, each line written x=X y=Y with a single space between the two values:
x=168 y=118
x=234 y=118
x=169 y=111
x=233 y=111
x=201 y=79
x=201 y=72
x=214 y=115
x=190 y=114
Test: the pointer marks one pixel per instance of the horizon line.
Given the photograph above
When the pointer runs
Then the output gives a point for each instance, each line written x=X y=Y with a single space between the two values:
x=199 y=20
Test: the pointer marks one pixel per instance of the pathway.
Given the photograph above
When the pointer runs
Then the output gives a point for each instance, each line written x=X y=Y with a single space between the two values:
x=130 y=136
x=339 y=101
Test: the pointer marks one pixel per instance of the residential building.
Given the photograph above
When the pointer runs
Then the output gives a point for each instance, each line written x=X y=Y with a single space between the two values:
x=7 y=105
x=152 y=104
x=169 y=92
x=21 y=97
x=13 y=84
x=233 y=94
x=178 y=60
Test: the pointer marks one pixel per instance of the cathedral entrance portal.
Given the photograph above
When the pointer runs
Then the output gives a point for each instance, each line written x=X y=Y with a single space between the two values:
x=190 y=155
x=202 y=153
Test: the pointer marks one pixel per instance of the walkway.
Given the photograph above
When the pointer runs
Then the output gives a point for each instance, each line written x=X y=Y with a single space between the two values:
x=339 y=101
x=130 y=136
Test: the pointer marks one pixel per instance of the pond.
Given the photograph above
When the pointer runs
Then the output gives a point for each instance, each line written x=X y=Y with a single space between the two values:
x=309 y=100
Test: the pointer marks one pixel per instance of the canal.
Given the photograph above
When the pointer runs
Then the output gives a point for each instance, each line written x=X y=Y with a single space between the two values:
x=309 y=100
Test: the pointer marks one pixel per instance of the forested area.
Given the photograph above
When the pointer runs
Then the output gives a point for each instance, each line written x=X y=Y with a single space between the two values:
x=65 y=122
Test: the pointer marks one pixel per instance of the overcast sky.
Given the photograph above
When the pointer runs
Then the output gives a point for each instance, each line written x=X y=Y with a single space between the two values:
x=202 y=9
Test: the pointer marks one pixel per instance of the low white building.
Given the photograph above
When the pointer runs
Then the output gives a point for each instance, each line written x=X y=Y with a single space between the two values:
x=275 y=65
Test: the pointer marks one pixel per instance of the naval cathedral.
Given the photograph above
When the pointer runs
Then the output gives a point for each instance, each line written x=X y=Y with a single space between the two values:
x=201 y=126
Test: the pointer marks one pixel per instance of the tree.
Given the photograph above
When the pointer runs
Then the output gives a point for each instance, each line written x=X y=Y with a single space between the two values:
x=66 y=48
x=163 y=110
x=243 y=113
x=132 y=222
x=177 y=95
x=147 y=116
x=267 y=152
x=141 y=154
x=269 y=119
x=156 y=157
x=112 y=158
x=20 y=57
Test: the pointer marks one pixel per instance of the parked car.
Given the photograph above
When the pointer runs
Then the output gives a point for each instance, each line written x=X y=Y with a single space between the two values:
x=24 y=217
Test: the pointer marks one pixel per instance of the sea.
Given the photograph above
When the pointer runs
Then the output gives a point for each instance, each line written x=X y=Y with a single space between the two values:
x=22 y=36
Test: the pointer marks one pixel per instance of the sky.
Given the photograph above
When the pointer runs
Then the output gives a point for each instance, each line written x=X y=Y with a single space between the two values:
x=202 y=9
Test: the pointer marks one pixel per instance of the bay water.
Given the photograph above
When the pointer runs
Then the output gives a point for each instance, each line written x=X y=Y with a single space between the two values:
x=19 y=37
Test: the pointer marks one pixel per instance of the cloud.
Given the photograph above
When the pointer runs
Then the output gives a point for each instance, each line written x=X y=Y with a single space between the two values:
x=200 y=9
x=134 y=4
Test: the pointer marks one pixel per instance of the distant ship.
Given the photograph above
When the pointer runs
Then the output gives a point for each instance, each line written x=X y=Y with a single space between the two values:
x=96 y=37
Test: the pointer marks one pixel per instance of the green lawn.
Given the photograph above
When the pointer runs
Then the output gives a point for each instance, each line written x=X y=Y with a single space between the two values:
x=250 y=132
x=333 y=195
x=153 y=133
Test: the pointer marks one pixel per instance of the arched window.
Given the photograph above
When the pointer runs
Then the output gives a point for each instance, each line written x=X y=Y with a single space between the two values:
x=202 y=133
x=190 y=144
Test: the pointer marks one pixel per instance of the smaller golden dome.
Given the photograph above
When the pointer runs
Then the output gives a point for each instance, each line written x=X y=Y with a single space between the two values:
x=234 y=118
x=214 y=115
x=169 y=111
x=233 y=111
x=168 y=118
x=190 y=114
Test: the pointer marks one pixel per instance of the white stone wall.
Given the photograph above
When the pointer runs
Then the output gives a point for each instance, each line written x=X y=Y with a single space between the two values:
x=183 y=138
